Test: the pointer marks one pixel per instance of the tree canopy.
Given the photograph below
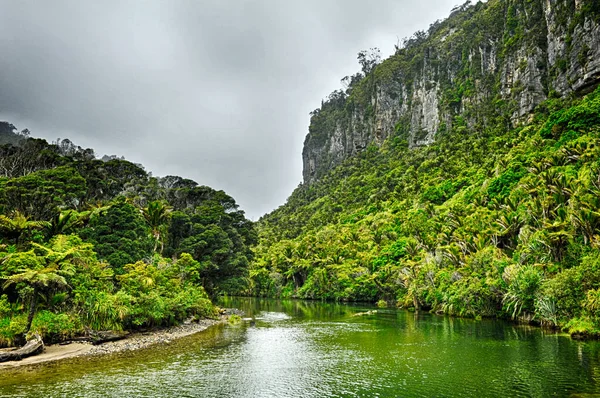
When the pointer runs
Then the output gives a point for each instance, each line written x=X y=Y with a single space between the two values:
x=82 y=242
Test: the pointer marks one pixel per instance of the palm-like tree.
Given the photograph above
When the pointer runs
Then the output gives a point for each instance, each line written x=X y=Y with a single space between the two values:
x=157 y=214
x=408 y=276
x=92 y=210
x=509 y=226
x=62 y=222
x=42 y=282
x=585 y=220
x=14 y=227
x=57 y=262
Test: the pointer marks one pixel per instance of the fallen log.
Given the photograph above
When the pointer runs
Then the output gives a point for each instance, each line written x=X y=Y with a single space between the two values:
x=106 y=336
x=98 y=337
x=32 y=347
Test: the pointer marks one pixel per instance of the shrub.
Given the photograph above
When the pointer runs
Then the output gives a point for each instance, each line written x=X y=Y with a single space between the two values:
x=5 y=308
x=56 y=327
x=501 y=187
x=523 y=286
x=12 y=329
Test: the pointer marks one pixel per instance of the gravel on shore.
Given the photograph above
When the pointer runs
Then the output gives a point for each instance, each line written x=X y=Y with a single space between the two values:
x=136 y=341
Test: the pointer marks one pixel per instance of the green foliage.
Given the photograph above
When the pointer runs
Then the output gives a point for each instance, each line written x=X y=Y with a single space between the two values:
x=64 y=222
x=42 y=193
x=579 y=118
x=5 y=307
x=188 y=269
x=145 y=295
x=591 y=304
x=105 y=311
x=234 y=319
x=56 y=327
x=568 y=288
x=119 y=235
x=501 y=222
x=523 y=283
x=12 y=329
x=382 y=304
x=217 y=236
x=582 y=327
x=157 y=215
x=469 y=296
x=440 y=193
x=109 y=272
x=501 y=186
x=159 y=300
x=17 y=228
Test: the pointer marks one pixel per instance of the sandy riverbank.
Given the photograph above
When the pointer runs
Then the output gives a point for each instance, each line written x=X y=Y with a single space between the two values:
x=135 y=341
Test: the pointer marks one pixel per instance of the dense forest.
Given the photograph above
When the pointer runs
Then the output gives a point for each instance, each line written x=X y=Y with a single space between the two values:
x=460 y=176
x=90 y=244
x=498 y=216
x=497 y=223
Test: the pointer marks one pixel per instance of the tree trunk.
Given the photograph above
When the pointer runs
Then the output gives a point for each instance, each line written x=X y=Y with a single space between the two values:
x=106 y=336
x=33 y=347
x=156 y=235
x=32 y=308
x=416 y=303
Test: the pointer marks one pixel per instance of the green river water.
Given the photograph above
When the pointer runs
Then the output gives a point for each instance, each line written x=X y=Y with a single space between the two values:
x=313 y=349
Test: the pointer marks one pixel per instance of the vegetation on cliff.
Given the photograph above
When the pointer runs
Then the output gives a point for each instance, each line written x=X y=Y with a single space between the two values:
x=491 y=222
x=499 y=216
x=492 y=59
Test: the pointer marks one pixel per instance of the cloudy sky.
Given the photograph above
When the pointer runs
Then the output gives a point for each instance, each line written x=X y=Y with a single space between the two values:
x=218 y=91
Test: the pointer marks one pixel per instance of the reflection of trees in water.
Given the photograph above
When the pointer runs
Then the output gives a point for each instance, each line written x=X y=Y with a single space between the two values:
x=528 y=357
x=301 y=309
x=486 y=329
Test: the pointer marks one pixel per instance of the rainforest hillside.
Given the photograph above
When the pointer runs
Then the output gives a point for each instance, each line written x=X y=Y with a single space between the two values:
x=491 y=208
x=90 y=244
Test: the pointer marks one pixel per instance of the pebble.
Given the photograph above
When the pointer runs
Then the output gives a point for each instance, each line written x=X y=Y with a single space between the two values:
x=138 y=341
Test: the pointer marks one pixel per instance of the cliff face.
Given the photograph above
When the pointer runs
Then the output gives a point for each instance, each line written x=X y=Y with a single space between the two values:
x=492 y=61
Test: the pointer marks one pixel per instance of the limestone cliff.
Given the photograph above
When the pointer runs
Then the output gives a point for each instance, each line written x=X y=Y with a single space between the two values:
x=490 y=61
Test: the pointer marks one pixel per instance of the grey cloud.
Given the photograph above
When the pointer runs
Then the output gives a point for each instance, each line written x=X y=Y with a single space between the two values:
x=216 y=91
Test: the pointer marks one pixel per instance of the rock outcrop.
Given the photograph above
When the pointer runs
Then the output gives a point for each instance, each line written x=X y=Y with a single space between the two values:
x=490 y=61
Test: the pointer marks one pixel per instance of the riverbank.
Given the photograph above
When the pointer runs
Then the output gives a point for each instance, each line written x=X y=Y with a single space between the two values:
x=134 y=341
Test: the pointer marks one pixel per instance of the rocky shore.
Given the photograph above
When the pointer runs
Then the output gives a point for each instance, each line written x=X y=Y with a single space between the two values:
x=138 y=341
x=134 y=341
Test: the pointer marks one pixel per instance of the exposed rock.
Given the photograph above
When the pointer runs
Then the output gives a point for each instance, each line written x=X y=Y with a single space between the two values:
x=232 y=311
x=500 y=58
x=371 y=312
x=425 y=115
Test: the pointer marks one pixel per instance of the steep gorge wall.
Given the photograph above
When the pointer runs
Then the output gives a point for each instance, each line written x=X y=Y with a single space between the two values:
x=491 y=61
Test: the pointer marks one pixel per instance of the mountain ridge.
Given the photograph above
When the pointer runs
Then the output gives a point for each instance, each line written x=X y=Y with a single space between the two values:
x=457 y=74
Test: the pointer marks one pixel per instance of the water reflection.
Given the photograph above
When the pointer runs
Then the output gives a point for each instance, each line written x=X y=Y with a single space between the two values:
x=313 y=349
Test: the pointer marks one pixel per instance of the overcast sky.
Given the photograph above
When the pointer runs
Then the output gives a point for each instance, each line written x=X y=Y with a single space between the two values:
x=217 y=91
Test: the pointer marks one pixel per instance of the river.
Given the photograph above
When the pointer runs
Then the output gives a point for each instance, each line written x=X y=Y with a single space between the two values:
x=314 y=349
